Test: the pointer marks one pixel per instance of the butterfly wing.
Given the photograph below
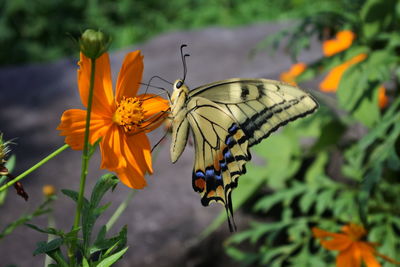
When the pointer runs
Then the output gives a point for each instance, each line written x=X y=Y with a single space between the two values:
x=259 y=106
x=221 y=152
x=228 y=117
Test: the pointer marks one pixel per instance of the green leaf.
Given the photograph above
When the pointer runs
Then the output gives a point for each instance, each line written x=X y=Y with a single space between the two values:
x=104 y=244
x=112 y=259
x=368 y=111
x=274 y=254
x=371 y=179
x=51 y=231
x=331 y=132
x=281 y=153
x=377 y=15
x=85 y=263
x=324 y=201
x=42 y=209
x=282 y=196
x=352 y=87
x=43 y=247
x=106 y=182
x=92 y=212
x=74 y=196
x=247 y=259
x=308 y=199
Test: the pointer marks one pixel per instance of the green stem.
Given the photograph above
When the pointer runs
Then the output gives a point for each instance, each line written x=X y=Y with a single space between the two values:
x=119 y=210
x=34 y=167
x=56 y=255
x=50 y=223
x=85 y=161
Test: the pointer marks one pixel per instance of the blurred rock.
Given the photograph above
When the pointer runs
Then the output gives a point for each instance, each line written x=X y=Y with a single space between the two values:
x=165 y=218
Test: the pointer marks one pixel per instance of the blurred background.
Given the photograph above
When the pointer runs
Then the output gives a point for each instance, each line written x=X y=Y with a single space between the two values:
x=39 y=31
x=338 y=166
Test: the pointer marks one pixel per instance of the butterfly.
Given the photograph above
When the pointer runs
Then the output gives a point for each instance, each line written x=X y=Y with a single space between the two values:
x=226 y=118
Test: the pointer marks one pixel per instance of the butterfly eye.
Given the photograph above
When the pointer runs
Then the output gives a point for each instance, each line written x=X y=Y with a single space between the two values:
x=179 y=84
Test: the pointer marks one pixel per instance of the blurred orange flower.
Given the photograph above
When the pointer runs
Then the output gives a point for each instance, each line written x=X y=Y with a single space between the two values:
x=294 y=71
x=352 y=249
x=383 y=100
x=121 y=121
x=341 y=42
x=332 y=80
x=48 y=190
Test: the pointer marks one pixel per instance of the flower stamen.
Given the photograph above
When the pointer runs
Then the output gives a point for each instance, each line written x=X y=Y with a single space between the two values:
x=129 y=114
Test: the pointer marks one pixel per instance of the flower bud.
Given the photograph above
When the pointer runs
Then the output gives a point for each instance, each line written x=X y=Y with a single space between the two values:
x=4 y=150
x=94 y=43
x=48 y=190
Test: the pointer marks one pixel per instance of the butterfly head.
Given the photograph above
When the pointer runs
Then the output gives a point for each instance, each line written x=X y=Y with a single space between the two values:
x=179 y=96
x=180 y=90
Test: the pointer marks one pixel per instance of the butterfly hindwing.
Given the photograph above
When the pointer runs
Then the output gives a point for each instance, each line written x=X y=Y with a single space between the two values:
x=221 y=151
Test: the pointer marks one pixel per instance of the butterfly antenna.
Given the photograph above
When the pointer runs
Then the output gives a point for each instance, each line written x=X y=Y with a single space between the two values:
x=156 y=87
x=183 y=56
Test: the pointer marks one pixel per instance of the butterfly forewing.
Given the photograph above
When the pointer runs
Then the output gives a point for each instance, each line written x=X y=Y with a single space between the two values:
x=259 y=106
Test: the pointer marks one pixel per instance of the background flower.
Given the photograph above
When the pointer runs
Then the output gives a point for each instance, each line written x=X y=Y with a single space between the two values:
x=341 y=42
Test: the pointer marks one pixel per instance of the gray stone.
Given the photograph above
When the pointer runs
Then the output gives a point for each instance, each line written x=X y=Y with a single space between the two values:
x=166 y=217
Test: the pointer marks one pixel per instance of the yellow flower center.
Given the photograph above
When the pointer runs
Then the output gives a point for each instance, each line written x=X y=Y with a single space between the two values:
x=129 y=113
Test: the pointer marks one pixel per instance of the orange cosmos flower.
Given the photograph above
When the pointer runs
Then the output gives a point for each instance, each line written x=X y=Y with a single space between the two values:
x=120 y=120
x=341 y=42
x=294 y=71
x=383 y=100
x=352 y=249
x=332 y=80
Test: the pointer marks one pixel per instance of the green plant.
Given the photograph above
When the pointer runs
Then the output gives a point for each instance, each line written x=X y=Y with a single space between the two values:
x=343 y=176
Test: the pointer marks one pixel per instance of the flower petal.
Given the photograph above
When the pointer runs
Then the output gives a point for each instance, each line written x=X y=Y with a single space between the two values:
x=155 y=108
x=138 y=152
x=103 y=98
x=72 y=126
x=131 y=177
x=111 y=149
x=332 y=241
x=354 y=231
x=294 y=71
x=130 y=75
x=368 y=255
x=383 y=99
x=350 y=257
x=332 y=80
x=343 y=40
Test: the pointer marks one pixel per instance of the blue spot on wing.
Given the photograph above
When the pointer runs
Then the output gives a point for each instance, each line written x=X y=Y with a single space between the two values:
x=228 y=154
x=230 y=141
x=200 y=174
x=209 y=173
x=233 y=129
x=222 y=163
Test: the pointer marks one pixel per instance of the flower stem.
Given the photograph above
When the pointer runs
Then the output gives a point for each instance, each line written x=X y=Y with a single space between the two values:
x=34 y=167
x=85 y=162
x=119 y=210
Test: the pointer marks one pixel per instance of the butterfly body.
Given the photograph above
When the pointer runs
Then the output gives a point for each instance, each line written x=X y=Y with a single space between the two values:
x=226 y=118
